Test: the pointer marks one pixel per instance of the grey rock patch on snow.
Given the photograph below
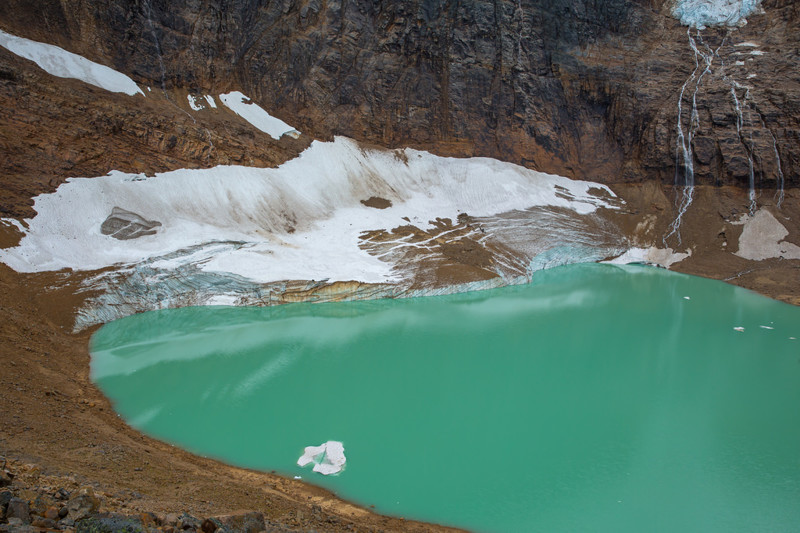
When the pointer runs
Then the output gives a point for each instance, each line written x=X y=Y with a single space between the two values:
x=125 y=225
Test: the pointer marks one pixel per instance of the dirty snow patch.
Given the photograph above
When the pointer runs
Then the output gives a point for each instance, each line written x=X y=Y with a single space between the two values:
x=328 y=458
x=63 y=64
x=211 y=101
x=762 y=238
x=255 y=115
x=701 y=13
x=665 y=257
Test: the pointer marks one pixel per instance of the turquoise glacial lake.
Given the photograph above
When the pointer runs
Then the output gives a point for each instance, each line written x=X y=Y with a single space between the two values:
x=598 y=398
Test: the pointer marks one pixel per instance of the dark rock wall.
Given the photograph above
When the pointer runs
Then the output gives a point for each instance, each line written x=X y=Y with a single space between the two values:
x=584 y=88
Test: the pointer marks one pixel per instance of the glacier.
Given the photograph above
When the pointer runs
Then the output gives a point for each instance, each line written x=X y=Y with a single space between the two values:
x=702 y=13
x=305 y=231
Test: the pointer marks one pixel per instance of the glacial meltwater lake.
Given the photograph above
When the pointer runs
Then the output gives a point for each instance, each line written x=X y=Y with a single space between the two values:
x=598 y=398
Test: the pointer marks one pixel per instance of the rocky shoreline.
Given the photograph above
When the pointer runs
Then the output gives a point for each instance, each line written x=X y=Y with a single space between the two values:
x=31 y=502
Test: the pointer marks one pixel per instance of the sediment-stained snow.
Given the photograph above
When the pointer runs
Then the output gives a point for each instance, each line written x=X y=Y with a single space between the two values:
x=665 y=257
x=255 y=115
x=59 y=62
x=762 y=238
x=702 y=13
x=302 y=220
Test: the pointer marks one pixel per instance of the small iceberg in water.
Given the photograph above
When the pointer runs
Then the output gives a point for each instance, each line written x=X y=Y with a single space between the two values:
x=328 y=458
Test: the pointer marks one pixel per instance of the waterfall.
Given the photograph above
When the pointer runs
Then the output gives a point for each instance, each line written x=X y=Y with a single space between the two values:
x=684 y=157
x=748 y=150
x=780 y=169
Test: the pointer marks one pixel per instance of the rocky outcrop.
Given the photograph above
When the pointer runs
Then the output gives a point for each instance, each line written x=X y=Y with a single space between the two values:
x=579 y=88
x=123 y=225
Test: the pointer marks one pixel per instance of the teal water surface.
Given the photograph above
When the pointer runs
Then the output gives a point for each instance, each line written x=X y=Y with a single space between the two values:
x=598 y=398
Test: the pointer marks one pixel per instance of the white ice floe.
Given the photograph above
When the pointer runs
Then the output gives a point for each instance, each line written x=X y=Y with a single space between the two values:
x=328 y=458
x=59 y=62
x=740 y=329
x=302 y=220
x=665 y=257
x=766 y=327
x=702 y=13
x=255 y=115
x=762 y=238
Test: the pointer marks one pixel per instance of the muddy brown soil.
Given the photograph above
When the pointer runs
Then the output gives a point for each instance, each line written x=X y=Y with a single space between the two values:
x=710 y=230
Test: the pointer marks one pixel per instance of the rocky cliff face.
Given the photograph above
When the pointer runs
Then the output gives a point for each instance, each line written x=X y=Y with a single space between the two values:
x=581 y=88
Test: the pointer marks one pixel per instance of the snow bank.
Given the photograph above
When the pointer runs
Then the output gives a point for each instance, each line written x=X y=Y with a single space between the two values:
x=302 y=220
x=255 y=115
x=59 y=62
x=328 y=458
x=702 y=13
x=665 y=257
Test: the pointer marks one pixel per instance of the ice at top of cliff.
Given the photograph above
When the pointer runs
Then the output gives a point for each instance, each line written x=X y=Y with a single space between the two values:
x=63 y=64
x=702 y=13
x=255 y=115
x=302 y=220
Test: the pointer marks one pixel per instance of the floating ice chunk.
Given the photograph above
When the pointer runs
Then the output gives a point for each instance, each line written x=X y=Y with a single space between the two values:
x=686 y=298
x=328 y=458
x=702 y=13
x=59 y=62
x=255 y=115
x=739 y=329
x=766 y=327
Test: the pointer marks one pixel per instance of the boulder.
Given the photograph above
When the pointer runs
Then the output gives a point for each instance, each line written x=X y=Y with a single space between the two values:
x=19 y=508
x=235 y=522
x=187 y=521
x=82 y=505
x=125 y=225
x=110 y=523
x=41 y=504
